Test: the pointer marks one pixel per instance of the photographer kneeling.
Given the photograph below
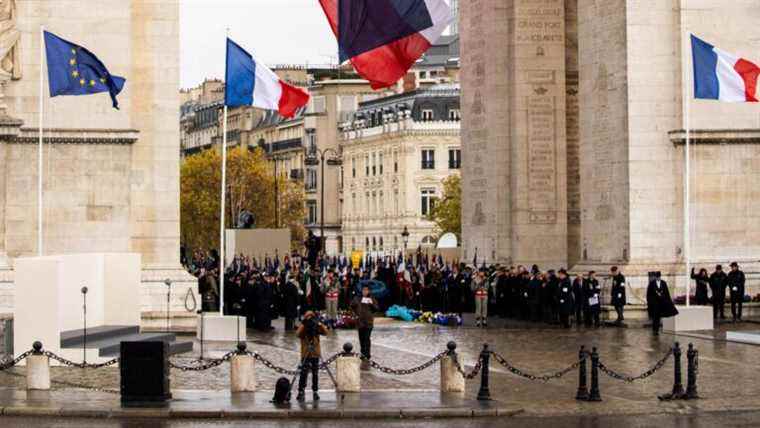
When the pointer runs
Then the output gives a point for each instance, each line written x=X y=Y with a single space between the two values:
x=311 y=353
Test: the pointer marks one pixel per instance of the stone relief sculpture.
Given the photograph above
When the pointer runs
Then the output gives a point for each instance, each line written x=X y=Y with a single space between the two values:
x=10 y=64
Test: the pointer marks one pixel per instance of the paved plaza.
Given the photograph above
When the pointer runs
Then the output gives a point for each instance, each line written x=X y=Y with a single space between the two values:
x=728 y=375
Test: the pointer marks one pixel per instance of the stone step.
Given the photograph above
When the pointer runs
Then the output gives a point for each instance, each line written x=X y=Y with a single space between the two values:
x=73 y=338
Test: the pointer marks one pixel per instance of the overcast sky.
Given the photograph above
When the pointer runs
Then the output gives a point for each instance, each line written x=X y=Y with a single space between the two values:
x=274 y=31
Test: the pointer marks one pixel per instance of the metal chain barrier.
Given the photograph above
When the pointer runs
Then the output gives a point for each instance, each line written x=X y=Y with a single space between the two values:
x=404 y=372
x=70 y=363
x=272 y=366
x=630 y=379
x=472 y=374
x=543 y=378
x=328 y=362
x=7 y=364
x=201 y=366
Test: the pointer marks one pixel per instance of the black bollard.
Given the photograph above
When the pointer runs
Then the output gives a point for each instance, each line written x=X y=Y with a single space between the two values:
x=348 y=349
x=241 y=347
x=594 y=395
x=484 y=394
x=582 y=376
x=691 y=373
x=452 y=347
x=678 y=392
x=37 y=348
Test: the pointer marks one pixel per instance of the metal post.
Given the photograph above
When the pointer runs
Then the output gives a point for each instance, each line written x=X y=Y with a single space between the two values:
x=203 y=326
x=276 y=194
x=484 y=394
x=691 y=374
x=677 y=385
x=236 y=308
x=348 y=349
x=594 y=395
x=168 y=283
x=322 y=207
x=84 y=319
x=582 y=393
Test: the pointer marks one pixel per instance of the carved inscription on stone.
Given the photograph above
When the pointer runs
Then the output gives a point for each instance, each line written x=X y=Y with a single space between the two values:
x=542 y=159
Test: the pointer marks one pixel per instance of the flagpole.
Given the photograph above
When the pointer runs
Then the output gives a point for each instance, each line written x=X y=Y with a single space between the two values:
x=221 y=214
x=686 y=91
x=222 y=263
x=39 y=148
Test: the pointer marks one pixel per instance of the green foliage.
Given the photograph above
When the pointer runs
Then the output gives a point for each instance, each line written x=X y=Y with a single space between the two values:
x=250 y=185
x=447 y=213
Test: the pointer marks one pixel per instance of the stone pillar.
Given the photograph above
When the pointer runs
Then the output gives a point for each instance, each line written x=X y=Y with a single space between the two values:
x=348 y=375
x=514 y=206
x=242 y=373
x=451 y=379
x=38 y=372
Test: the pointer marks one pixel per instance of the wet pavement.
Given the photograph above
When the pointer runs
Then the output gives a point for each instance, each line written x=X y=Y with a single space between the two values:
x=727 y=420
x=728 y=372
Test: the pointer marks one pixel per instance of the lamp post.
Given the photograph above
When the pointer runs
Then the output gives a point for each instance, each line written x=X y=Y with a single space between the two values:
x=276 y=159
x=320 y=157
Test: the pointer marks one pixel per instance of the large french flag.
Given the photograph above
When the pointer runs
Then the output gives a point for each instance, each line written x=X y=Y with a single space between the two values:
x=719 y=75
x=384 y=38
x=250 y=83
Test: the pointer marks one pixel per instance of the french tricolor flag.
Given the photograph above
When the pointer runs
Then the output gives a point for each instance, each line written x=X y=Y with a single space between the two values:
x=250 y=83
x=719 y=75
x=384 y=38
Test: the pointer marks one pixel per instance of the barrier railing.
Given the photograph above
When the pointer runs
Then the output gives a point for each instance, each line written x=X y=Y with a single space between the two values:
x=481 y=367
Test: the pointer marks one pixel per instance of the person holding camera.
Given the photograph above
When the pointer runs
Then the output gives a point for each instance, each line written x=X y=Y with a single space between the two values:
x=364 y=307
x=311 y=353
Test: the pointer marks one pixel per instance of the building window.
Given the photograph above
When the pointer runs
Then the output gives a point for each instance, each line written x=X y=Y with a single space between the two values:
x=428 y=159
x=353 y=167
x=380 y=163
x=381 y=243
x=427 y=200
x=374 y=244
x=381 y=205
x=395 y=162
x=427 y=115
x=374 y=204
x=311 y=179
x=366 y=243
x=455 y=158
x=366 y=166
x=454 y=114
x=395 y=202
x=312 y=212
x=353 y=244
x=368 y=202
x=374 y=164
x=423 y=74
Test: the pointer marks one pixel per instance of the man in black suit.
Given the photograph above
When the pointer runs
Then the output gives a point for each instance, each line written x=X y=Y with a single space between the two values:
x=736 y=282
x=659 y=303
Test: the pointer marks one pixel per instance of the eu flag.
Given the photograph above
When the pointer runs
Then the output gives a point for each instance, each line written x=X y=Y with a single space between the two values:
x=73 y=70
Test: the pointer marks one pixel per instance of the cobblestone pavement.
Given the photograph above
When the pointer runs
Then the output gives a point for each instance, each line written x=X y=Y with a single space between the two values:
x=728 y=372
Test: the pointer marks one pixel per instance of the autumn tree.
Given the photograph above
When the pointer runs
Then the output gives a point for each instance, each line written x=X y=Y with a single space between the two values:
x=250 y=185
x=447 y=213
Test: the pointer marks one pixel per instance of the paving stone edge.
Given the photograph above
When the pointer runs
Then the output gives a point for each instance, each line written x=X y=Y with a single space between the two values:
x=158 y=413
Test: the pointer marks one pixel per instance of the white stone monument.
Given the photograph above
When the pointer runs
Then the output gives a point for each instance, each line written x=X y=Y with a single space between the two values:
x=49 y=300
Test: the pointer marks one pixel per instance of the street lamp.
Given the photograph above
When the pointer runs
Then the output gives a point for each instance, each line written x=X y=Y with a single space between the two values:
x=405 y=238
x=316 y=157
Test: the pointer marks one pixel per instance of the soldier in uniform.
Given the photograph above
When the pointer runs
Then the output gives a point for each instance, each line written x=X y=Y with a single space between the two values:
x=659 y=303
x=480 y=290
x=736 y=282
x=618 y=293
x=718 y=281
x=592 y=299
x=565 y=299
x=331 y=291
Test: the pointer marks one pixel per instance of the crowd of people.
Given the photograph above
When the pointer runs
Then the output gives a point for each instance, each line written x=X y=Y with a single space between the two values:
x=296 y=284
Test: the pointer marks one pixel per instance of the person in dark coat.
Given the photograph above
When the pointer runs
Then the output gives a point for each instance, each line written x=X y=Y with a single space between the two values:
x=659 y=303
x=290 y=297
x=592 y=295
x=718 y=283
x=263 y=303
x=578 y=299
x=364 y=307
x=736 y=283
x=535 y=294
x=618 y=293
x=565 y=299
x=702 y=279
x=456 y=287
x=502 y=292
